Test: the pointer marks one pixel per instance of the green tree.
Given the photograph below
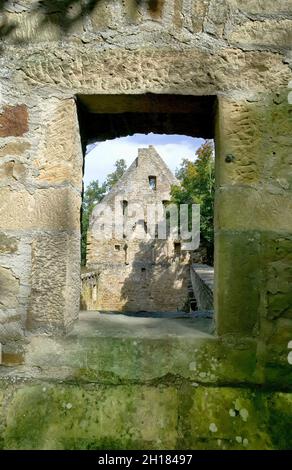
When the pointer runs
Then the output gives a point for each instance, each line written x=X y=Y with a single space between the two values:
x=114 y=177
x=92 y=196
x=197 y=186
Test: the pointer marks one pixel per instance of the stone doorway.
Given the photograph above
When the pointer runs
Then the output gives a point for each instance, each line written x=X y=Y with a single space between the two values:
x=107 y=117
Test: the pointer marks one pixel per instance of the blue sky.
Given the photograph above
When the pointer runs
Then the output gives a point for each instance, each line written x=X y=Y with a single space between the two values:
x=101 y=157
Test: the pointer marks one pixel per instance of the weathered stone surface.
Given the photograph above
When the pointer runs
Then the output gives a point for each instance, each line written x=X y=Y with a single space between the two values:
x=151 y=418
x=272 y=34
x=277 y=336
x=264 y=8
x=250 y=208
x=238 y=281
x=104 y=16
x=13 y=121
x=14 y=148
x=233 y=419
x=12 y=170
x=200 y=9
x=130 y=372
x=47 y=209
x=12 y=359
x=7 y=244
x=55 y=283
x=9 y=288
x=277 y=268
x=59 y=158
x=154 y=72
x=50 y=416
x=111 y=348
x=202 y=278
x=257 y=135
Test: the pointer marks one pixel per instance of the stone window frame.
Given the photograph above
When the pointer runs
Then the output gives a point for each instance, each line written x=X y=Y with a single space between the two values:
x=152 y=179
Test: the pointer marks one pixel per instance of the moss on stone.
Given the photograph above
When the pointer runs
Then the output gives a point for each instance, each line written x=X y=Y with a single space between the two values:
x=189 y=416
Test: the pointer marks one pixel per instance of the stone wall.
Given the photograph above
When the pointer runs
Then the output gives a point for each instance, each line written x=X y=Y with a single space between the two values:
x=202 y=277
x=128 y=288
x=119 y=384
x=146 y=417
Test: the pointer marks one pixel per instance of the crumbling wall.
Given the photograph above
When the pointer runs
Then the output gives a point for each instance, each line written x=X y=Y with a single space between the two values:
x=202 y=277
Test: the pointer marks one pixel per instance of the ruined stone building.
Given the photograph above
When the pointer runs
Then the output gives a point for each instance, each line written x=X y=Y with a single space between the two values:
x=138 y=271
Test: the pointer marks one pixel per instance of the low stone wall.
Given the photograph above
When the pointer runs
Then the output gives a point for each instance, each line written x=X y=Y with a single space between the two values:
x=113 y=383
x=67 y=416
x=202 y=277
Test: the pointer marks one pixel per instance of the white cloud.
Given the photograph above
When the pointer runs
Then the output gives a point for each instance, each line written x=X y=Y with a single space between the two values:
x=100 y=160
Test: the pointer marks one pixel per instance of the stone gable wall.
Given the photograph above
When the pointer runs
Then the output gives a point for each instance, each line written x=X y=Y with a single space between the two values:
x=137 y=274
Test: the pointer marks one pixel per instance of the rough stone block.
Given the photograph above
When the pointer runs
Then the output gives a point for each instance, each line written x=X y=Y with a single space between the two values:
x=69 y=417
x=277 y=336
x=277 y=259
x=280 y=405
x=12 y=170
x=251 y=208
x=263 y=8
x=55 y=282
x=237 y=282
x=14 y=148
x=103 y=15
x=7 y=244
x=150 y=71
x=9 y=288
x=200 y=9
x=272 y=34
x=46 y=209
x=59 y=158
x=216 y=18
x=14 y=121
x=226 y=418
x=256 y=135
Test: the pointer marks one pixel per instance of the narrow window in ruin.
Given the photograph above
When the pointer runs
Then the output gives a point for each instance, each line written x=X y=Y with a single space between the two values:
x=125 y=212
x=143 y=274
x=94 y=293
x=177 y=249
x=137 y=162
x=125 y=248
x=165 y=204
x=156 y=231
x=152 y=182
x=145 y=226
x=125 y=206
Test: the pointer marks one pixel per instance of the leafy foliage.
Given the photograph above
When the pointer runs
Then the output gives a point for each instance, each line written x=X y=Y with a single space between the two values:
x=114 y=177
x=92 y=196
x=197 y=186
